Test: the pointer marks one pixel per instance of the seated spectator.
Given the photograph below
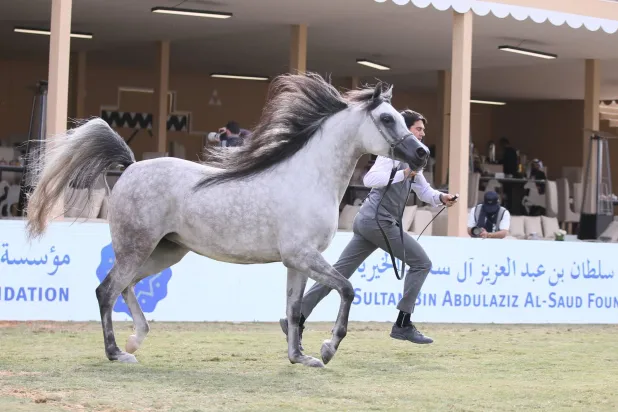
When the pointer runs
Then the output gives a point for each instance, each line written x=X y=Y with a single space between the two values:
x=489 y=220
x=244 y=133
x=232 y=130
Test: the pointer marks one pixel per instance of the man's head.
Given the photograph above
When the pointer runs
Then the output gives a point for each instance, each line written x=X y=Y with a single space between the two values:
x=536 y=164
x=491 y=202
x=504 y=142
x=232 y=128
x=415 y=122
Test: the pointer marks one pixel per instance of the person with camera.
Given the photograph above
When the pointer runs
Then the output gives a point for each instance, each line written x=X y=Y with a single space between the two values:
x=489 y=220
x=232 y=134
x=229 y=136
x=368 y=237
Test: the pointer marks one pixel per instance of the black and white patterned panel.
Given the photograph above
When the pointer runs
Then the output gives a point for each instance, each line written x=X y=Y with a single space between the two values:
x=135 y=120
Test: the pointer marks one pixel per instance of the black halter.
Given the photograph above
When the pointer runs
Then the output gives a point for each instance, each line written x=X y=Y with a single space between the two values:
x=400 y=218
x=390 y=181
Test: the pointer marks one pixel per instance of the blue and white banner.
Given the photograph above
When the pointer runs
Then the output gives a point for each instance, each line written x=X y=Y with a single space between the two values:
x=472 y=281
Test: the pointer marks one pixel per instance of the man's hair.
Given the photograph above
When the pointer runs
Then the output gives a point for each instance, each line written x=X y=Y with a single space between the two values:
x=233 y=127
x=411 y=117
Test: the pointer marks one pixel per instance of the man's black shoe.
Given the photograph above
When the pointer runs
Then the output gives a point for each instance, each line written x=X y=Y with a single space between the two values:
x=409 y=332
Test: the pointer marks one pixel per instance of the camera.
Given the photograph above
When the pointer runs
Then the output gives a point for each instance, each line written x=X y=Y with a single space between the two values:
x=215 y=137
x=476 y=231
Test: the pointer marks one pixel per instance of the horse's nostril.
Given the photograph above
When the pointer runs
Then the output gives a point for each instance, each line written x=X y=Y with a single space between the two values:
x=421 y=152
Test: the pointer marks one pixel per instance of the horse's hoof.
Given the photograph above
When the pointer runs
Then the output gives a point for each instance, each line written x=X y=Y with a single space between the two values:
x=312 y=362
x=132 y=344
x=308 y=361
x=327 y=351
x=126 y=358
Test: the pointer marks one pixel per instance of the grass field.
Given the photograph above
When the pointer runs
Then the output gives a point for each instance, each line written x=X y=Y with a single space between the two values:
x=244 y=367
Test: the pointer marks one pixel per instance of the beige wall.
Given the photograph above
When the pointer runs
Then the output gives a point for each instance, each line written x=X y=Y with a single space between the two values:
x=537 y=128
x=241 y=100
x=542 y=129
x=17 y=81
x=551 y=131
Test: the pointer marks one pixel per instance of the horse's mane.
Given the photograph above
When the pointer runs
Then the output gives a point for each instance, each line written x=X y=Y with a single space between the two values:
x=297 y=105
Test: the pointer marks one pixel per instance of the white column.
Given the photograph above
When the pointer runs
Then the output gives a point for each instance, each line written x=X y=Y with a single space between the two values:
x=80 y=104
x=444 y=110
x=592 y=98
x=58 y=78
x=355 y=82
x=461 y=79
x=298 y=49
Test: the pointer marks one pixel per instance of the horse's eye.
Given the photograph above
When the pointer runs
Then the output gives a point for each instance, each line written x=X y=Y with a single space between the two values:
x=386 y=118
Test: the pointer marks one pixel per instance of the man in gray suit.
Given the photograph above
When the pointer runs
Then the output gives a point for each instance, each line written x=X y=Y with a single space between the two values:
x=368 y=237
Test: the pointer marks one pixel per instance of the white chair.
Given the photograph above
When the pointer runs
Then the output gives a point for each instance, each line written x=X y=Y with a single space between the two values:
x=96 y=208
x=439 y=227
x=474 y=180
x=81 y=208
x=578 y=197
x=565 y=214
x=533 y=227
x=408 y=217
x=421 y=219
x=573 y=174
x=550 y=227
x=551 y=199
x=516 y=228
x=346 y=217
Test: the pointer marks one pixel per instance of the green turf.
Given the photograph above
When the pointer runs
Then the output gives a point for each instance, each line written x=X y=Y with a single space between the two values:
x=244 y=367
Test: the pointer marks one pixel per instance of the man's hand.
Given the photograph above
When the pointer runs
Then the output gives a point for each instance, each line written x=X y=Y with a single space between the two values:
x=484 y=234
x=448 y=200
x=409 y=172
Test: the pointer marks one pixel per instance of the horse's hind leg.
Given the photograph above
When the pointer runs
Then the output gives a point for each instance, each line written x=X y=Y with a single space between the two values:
x=296 y=287
x=131 y=254
x=118 y=279
x=166 y=254
x=317 y=268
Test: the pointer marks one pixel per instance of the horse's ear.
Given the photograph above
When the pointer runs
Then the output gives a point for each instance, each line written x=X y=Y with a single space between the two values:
x=377 y=91
x=388 y=95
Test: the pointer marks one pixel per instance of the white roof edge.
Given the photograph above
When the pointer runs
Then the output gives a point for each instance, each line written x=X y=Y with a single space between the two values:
x=483 y=8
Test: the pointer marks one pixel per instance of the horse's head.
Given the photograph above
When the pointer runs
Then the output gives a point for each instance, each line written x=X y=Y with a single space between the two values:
x=387 y=134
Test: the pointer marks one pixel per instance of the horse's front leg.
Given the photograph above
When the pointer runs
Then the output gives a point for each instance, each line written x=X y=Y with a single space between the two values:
x=317 y=268
x=295 y=289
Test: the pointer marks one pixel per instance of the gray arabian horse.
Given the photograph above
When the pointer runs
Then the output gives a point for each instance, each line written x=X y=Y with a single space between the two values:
x=295 y=170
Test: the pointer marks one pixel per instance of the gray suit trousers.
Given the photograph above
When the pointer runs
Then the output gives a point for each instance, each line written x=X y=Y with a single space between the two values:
x=367 y=238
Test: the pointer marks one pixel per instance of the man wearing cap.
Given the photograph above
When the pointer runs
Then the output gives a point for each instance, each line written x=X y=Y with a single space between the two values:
x=489 y=220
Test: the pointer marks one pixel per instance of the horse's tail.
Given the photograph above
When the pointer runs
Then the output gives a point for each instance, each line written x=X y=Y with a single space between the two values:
x=73 y=159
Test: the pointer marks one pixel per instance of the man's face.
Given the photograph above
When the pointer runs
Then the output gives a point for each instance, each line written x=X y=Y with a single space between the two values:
x=418 y=130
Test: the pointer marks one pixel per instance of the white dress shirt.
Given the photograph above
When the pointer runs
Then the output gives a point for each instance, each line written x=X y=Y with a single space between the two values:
x=380 y=172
